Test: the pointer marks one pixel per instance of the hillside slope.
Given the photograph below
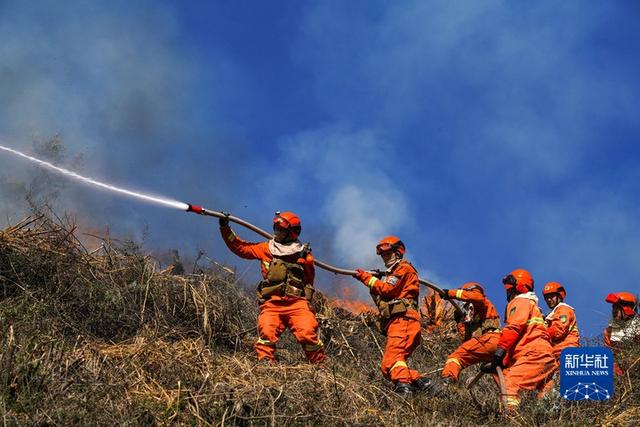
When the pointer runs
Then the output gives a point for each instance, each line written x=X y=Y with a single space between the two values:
x=104 y=338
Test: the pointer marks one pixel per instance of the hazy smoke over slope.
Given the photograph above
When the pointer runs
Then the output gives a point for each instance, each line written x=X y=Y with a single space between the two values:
x=349 y=173
x=104 y=79
x=115 y=84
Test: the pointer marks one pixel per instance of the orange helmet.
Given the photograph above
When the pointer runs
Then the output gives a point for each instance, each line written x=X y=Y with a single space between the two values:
x=390 y=243
x=554 y=288
x=472 y=286
x=290 y=222
x=626 y=300
x=519 y=279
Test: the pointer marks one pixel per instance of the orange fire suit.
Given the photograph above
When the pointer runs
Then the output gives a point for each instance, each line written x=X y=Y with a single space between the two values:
x=618 y=332
x=529 y=363
x=398 y=286
x=484 y=331
x=279 y=312
x=563 y=328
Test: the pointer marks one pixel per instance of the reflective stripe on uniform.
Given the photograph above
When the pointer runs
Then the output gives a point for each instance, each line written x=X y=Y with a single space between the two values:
x=371 y=281
x=313 y=347
x=265 y=342
x=231 y=236
x=459 y=293
x=573 y=328
x=453 y=360
x=535 y=321
x=266 y=264
x=399 y=364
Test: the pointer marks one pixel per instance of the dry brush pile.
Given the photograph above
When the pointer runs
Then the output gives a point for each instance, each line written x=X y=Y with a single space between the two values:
x=104 y=338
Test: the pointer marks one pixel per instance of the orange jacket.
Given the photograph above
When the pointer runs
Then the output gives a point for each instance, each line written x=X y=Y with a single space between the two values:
x=483 y=310
x=262 y=252
x=562 y=327
x=401 y=281
x=524 y=329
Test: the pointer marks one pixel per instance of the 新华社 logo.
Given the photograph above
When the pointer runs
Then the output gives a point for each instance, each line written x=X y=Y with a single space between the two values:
x=586 y=373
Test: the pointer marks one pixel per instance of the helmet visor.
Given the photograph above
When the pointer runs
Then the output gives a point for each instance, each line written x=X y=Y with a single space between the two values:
x=509 y=280
x=612 y=299
x=280 y=222
x=384 y=247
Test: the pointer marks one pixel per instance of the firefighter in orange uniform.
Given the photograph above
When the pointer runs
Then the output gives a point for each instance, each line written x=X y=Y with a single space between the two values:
x=524 y=350
x=561 y=321
x=286 y=288
x=396 y=296
x=479 y=328
x=624 y=326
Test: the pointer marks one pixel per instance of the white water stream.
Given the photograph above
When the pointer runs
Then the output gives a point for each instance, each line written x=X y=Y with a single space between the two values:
x=158 y=200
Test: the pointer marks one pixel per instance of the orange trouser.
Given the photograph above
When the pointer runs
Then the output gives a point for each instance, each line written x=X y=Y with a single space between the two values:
x=403 y=336
x=294 y=313
x=470 y=352
x=532 y=371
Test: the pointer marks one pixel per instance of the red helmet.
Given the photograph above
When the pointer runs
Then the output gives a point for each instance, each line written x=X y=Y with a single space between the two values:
x=519 y=279
x=390 y=243
x=473 y=286
x=626 y=300
x=554 y=288
x=290 y=222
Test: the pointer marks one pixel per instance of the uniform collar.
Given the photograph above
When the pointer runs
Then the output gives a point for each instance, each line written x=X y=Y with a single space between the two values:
x=284 y=249
x=625 y=330
x=556 y=307
x=528 y=295
x=393 y=266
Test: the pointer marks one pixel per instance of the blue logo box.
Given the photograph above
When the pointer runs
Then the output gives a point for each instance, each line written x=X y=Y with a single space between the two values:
x=586 y=373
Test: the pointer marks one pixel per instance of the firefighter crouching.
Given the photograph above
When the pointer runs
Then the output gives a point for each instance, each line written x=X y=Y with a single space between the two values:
x=395 y=294
x=561 y=321
x=479 y=329
x=286 y=289
x=523 y=350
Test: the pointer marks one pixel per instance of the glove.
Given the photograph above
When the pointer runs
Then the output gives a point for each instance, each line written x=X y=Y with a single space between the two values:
x=308 y=259
x=378 y=273
x=363 y=276
x=444 y=294
x=306 y=250
x=224 y=221
x=498 y=356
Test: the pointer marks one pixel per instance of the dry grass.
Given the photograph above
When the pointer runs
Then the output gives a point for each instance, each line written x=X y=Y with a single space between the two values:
x=104 y=338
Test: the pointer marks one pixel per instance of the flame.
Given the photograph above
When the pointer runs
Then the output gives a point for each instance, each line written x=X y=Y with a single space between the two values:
x=356 y=307
x=88 y=234
x=347 y=297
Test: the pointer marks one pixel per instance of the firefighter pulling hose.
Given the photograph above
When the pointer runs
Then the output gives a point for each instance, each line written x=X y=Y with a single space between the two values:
x=207 y=212
x=287 y=286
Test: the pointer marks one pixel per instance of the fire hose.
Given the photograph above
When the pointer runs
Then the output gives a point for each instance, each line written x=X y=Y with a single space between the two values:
x=202 y=211
x=501 y=384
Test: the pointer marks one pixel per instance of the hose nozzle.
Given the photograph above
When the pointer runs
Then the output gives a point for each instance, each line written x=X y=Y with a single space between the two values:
x=194 y=209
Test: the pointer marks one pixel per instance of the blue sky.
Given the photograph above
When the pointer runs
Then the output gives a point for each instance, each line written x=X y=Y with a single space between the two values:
x=487 y=135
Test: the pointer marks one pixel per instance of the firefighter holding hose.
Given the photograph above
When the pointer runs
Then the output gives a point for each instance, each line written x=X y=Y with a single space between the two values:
x=479 y=329
x=396 y=296
x=286 y=288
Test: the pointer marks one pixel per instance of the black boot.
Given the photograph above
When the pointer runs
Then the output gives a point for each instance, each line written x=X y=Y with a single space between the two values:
x=426 y=385
x=403 y=389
